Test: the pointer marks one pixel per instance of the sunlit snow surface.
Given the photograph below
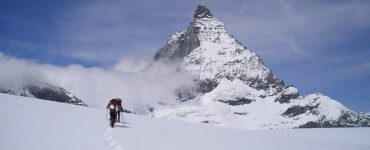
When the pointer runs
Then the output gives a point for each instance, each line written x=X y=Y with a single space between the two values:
x=263 y=113
x=32 y=124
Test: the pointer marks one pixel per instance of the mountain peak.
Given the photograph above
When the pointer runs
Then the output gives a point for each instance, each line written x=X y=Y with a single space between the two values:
x=202 y=12
x=231 y=82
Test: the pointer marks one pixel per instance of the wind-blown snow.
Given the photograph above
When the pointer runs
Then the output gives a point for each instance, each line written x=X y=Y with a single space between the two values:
x=34 y=124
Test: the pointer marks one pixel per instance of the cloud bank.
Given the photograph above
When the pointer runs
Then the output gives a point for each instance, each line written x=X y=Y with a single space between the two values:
x=18 y=72
x=137 y=82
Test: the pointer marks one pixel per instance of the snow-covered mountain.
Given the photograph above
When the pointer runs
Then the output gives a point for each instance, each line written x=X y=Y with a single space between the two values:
x=235 y=89
x=43 y=91
x=34 y=124
x=365 y=114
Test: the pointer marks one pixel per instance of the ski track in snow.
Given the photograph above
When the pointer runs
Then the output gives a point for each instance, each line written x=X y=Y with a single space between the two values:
x=108 y=136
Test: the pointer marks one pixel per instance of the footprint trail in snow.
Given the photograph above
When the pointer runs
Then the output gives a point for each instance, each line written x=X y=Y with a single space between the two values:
x=110 y=140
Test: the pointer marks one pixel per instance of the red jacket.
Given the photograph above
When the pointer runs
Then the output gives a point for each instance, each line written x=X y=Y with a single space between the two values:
x=117 y=105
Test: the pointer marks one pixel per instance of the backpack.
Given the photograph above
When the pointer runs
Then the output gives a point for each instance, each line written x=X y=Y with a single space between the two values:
x=118 y=108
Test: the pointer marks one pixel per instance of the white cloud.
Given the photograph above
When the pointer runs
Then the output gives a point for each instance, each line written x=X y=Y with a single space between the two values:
x=135 y=82
x=17 y=72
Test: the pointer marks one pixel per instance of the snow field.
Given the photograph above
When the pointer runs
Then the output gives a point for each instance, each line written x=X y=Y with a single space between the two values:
x=32 y=124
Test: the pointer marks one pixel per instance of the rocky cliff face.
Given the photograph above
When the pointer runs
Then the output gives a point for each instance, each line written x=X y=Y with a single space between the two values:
x=234 y=88
x=46 y=92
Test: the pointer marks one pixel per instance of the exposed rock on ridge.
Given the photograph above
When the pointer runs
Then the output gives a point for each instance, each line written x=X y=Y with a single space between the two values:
x=46 y=92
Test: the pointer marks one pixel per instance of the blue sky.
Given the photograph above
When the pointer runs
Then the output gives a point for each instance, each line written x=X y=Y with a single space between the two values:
x=318 y=46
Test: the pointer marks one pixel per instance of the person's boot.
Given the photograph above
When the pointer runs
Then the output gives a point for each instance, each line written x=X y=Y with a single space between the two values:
x=112 y=123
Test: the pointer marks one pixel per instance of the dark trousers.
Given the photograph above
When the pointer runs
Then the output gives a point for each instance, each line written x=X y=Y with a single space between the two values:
x=113 y=117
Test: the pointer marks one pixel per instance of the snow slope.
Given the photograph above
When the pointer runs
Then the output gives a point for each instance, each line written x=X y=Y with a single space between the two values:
x=29 y=123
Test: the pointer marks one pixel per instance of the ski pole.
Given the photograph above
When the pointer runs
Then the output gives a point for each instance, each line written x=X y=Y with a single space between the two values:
x=122 y=118
x=106 y=114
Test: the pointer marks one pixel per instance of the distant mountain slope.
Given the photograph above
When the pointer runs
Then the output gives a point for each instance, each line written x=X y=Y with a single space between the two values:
x=33 y=124
x=235 y=89
x=44 y=91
